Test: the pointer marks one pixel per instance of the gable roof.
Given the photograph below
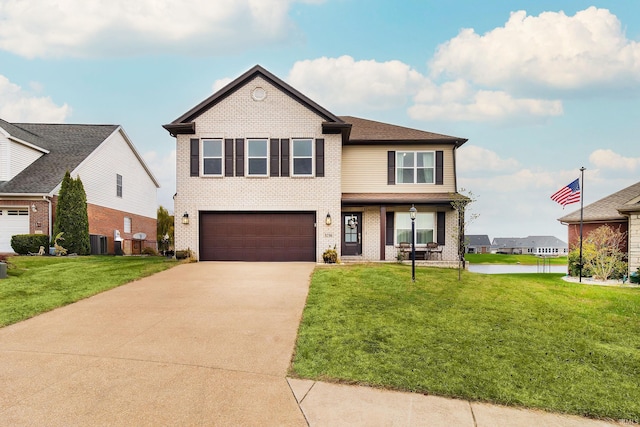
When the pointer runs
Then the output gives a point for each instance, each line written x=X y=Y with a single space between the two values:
x=365 y=131
x=67 y=146
x=608 y=208
x=185 y=124
x=478 y=240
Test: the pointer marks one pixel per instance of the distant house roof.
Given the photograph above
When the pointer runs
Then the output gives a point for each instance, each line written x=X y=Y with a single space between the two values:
x=608 y=208
x=65 y=145
x=365 y=131
x=478 y=240
x=528 y=242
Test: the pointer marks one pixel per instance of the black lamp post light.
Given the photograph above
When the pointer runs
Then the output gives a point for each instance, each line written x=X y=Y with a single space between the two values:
x=412 y=213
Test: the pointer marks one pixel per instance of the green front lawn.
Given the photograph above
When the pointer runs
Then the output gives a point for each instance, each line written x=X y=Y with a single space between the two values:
x=39 y=284
x=529 y=340
x=512 y=259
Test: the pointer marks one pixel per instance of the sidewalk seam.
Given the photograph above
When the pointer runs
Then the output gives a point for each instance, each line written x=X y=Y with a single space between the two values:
x=475 y=422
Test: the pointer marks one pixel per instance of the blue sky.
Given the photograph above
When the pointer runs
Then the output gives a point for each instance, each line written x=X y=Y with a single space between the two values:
x=540 y=88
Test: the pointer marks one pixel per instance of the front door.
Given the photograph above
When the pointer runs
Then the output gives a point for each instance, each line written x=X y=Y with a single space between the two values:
x=351 y=233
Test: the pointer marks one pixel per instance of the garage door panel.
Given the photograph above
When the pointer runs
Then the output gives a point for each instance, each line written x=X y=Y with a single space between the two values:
x=257 y=236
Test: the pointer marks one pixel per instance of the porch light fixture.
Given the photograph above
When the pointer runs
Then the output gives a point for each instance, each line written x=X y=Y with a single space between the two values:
x=412 y=213
x=185 y=218
x=327 y=220
x=34 y=208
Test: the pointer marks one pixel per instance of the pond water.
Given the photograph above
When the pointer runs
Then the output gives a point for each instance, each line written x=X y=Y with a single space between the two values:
x=516 y=268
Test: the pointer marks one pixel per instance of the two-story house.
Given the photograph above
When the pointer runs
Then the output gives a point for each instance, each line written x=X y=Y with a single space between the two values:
x=266 y=174
x=120 y=188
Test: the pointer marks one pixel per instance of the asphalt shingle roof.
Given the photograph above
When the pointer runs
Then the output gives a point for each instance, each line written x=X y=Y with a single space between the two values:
x=370 y=130
x=605 y=209
x=68 y=146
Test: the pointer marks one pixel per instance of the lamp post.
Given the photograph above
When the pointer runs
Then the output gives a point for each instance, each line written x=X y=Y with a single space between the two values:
x=412 y=213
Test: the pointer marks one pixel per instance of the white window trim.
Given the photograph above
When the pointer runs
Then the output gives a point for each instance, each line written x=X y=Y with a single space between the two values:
x=247 y=157
x=313 y=158
x=202 y=157
x=415 y=167
x=119 y=185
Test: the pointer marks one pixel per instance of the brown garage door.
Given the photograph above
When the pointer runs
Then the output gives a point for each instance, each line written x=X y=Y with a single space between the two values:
x=257 y=236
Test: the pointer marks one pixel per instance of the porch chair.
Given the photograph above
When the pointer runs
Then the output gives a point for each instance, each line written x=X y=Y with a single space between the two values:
x=433 y=248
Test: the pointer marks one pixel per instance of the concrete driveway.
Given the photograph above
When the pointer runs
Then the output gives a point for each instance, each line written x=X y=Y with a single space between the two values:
x=200 y=344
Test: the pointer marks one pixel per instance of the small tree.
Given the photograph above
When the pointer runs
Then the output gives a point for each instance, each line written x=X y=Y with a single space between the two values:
x=164 y=228
x=607 y=258
x=71 y=216
x=460 y=202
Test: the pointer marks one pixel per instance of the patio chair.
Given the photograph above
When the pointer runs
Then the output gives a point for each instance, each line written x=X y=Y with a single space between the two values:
x=434 y=248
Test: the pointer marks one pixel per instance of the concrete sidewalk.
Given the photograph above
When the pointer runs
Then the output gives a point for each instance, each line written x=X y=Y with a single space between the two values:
x=338 y=405
x=201 y=344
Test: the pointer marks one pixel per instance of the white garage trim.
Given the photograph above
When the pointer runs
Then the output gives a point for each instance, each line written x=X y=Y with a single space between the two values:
x=13 y=220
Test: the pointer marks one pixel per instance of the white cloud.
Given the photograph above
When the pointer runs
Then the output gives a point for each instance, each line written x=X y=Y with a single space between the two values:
x=457 y=102
x=609 y=159
x=42 y=28
x=471 y=158
x=163 y=167
x=16 y=105
x=346 y=83
x=550 y=50
x=220 y=83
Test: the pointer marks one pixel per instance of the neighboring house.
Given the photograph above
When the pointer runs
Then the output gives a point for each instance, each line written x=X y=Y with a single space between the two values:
x=120 y=188
x=265 y=173
x=621 y=211
x=478 y=244
x=530 y=245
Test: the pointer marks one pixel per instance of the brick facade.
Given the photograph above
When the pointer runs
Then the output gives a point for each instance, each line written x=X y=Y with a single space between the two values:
x=102 y=221
x=574 y=232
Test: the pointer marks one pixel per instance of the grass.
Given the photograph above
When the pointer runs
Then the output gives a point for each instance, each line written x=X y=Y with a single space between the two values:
x=512 y=259
x=39 y=284
x=529 y=340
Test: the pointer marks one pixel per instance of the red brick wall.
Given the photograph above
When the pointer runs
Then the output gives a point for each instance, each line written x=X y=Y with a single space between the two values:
x=574 y=232
x=103 y=221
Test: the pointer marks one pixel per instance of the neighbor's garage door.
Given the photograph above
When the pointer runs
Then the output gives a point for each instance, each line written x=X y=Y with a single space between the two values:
x=12 y=221
x=257 y=236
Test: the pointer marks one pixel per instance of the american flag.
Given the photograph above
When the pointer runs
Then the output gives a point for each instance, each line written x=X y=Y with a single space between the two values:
x=568 y=194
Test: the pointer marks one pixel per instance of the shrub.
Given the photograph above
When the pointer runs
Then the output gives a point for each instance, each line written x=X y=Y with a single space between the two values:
x=184 y=254
x=24 y=244
x=149 y=251
x=330 y=256
x=71 y=216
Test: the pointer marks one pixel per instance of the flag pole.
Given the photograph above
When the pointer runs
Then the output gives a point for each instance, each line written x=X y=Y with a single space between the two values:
x=581 y=216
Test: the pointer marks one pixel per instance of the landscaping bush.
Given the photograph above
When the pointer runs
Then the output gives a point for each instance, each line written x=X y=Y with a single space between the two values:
x=330 y=256
x=29 y=243
x=149 y=251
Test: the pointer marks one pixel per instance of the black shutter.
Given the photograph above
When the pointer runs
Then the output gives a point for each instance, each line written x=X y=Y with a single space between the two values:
x=228 y=157
x=320 y=157
x=439 y=168
x=284 y=157
x=389 y=234
x=195 y=157
x=240 y=157
x=391 y=167
x=441 y=228
x=275 y=157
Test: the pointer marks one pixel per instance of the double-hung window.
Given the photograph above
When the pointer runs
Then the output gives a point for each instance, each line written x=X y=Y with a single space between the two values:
x=425 y=223
x=415 y=167
x=212 y=157
x=302 y=157
x=257 y=157
x=118 y=185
